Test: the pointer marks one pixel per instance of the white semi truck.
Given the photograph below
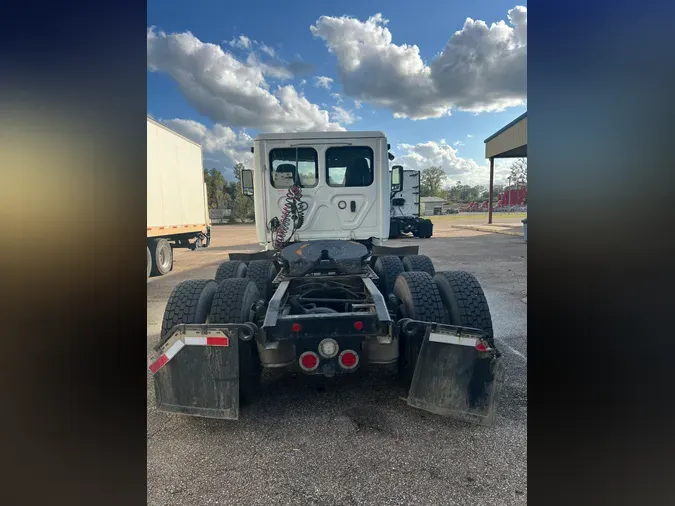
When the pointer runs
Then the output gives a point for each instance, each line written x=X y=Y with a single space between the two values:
x=405 y=208
x=178 y=214
x=326 y=295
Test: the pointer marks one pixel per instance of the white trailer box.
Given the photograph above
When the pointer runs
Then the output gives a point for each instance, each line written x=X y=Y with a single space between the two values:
x=177 y=200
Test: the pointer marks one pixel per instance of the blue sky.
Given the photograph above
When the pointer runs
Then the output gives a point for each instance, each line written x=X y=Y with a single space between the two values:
x=187 y=90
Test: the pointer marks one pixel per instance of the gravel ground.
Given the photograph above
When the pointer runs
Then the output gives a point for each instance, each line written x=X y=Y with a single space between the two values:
x=351 y=440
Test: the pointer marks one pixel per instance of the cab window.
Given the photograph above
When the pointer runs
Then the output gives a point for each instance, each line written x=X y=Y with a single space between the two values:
x=290 y=164
x=349 y=166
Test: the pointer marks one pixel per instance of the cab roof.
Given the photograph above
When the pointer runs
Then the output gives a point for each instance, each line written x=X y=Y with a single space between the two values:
x=318 y=136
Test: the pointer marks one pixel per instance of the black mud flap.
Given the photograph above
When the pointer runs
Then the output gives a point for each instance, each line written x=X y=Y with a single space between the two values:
x=457 y=381
x=197 y=378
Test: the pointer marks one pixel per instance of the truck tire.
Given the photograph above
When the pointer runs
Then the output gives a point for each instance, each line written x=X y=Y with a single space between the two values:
x=387 y=268
x=420 y=300
x=190 y=302
x=162 y=256
x=423 y=228
x=419 y=263
x=149 y=261
x=262 y=272
x=230 y=269
x=232 y=303
x=464 y=301
x=394 y=228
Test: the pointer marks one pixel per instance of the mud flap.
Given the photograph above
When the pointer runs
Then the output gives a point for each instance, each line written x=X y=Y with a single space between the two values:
x=457 y=381
x=197 y=378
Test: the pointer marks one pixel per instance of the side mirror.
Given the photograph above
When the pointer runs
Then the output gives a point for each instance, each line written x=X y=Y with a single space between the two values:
x=396 y=178
x=247 y=182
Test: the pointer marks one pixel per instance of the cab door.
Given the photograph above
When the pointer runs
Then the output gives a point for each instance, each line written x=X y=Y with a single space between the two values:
x=349 y=190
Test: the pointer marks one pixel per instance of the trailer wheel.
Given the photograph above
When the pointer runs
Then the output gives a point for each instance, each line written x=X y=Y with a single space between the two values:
x=230 y=269
x=464 y=301
x=420 y=300
x=387 y=268
x=149 y=261
x=262 y=272
x=162 y=256
x=189 y=302
x=232 y=303
x=419 y=263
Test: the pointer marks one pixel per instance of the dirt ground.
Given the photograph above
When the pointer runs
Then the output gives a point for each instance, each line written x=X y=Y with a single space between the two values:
x=352 y=440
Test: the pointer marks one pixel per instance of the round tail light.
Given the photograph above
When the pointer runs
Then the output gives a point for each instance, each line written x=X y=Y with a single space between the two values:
x=309 y=361
x=348 y=359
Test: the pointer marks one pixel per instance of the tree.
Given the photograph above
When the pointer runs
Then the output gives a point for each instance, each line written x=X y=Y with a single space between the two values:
x=519 y=172
x=214 y=188
x=431 y=182
x=237 y=171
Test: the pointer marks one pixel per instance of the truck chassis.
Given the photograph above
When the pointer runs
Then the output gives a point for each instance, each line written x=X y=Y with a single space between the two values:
x=328 y=308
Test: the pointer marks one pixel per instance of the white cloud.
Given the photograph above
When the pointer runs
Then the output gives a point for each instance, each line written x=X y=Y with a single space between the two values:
x=459 y=143
x=267 y=49
x=232 y=147
x=343 y=115
x=242 y=42
x=469 y=136
x=481 y=68
x=303 y=82
x=323 y=82
x=337 y=97
x=229 y=91
x=440 y=154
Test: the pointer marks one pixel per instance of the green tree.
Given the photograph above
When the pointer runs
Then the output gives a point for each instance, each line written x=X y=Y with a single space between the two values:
x=214 y=188
x=431 y=182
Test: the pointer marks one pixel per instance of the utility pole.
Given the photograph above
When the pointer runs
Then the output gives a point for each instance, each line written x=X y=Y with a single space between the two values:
x=509 y=211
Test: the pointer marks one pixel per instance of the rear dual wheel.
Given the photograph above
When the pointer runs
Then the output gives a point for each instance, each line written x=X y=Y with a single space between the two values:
x=231 y=269
x=450 y=297
x=419 y=300
x=233 y=303
x=419 y=263
x=201 y=300
x=262 y=273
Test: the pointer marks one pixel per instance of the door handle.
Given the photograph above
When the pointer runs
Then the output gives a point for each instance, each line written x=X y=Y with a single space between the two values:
x=352 y=206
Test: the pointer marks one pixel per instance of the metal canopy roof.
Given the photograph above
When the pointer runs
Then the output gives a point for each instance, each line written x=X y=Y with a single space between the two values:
x=509 y=141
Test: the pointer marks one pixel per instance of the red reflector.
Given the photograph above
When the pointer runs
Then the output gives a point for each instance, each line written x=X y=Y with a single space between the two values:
x=481 y=346
x=217 y=341
x=296 y=327
x=358 y=325
x=309 y=361
x=158 y=364
x=348 y=359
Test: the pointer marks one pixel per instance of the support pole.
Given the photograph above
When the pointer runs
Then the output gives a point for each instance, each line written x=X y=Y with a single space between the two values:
x=492 y=181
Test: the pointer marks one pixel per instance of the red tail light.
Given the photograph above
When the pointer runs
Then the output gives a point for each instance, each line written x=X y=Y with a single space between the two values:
x=481 y=346
x=296 y=327
x=358 y=325
x=349 y=359
x=309 y=361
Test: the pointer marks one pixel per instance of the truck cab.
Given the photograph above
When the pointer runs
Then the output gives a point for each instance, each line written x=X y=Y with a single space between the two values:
x=342 y=186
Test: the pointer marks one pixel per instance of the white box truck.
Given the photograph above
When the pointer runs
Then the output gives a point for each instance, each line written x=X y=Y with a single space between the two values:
x=178 y=214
